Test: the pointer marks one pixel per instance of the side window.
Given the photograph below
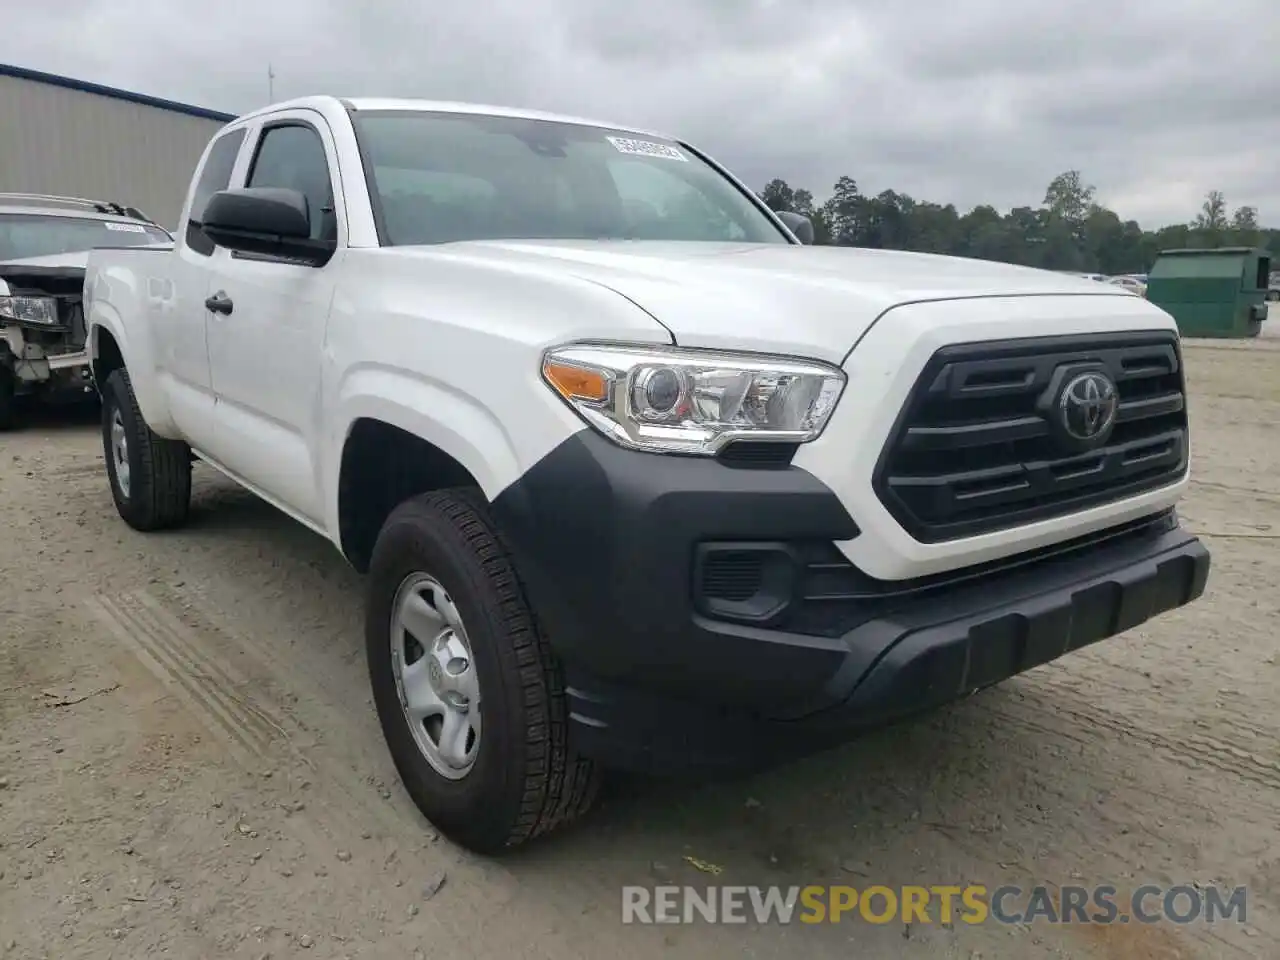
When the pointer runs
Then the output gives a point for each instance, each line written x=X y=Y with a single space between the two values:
x=668 y=205
x=215 y=176
x=292 y=156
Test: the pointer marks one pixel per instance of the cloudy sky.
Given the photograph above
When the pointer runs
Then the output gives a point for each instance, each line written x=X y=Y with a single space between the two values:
x=964 y=101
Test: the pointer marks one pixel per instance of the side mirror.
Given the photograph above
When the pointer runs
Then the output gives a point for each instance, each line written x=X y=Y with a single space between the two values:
x=798 y=224
x=270 y=221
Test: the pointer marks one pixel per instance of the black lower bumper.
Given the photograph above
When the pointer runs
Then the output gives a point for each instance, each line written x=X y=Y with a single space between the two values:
x=785 y=646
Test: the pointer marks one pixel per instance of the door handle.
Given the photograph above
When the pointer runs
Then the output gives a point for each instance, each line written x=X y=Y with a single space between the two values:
x=219 y=303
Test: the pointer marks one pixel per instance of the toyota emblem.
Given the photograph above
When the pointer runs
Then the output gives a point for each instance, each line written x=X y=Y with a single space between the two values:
x=1087 y=407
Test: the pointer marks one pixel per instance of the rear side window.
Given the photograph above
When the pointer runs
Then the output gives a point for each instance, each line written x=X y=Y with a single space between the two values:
x=215 y=176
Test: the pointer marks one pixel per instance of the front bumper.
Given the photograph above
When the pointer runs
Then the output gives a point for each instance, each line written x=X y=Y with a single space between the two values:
x=668 y=667
x=32 y=365
x=78 y=361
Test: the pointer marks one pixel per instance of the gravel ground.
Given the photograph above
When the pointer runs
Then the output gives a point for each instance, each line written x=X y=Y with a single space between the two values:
x=191 y=766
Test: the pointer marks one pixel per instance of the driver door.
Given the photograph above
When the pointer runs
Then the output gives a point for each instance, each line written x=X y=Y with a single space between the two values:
x=267 y=325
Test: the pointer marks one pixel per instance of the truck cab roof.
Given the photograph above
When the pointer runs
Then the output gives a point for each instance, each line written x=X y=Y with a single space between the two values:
x=359 y=104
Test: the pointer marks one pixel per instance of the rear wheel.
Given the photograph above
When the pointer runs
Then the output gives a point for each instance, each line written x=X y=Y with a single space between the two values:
x=470 y=698
x=150 y=476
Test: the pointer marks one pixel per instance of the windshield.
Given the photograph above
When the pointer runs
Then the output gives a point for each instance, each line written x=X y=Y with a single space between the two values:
x=25 y=235
x=441 y=177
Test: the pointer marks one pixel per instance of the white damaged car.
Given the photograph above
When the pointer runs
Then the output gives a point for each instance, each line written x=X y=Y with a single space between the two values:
x=44 y=247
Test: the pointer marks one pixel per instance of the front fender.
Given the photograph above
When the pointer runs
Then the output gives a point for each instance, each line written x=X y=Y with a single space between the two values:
x=457 y=423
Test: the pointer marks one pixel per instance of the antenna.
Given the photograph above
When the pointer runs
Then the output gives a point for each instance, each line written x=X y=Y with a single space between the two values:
x=271 y=85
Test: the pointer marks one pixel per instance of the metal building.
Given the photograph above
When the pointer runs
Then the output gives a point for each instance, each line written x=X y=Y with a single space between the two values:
x=71 y=138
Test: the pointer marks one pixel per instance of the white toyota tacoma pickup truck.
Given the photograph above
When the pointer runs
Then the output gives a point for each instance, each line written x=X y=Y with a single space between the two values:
x=638 y=479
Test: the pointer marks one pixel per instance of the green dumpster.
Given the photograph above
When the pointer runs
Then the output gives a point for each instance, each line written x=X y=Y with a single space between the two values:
x=1212 y=293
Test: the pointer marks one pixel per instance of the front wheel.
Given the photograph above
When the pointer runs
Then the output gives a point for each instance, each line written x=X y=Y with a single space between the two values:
x=470 y=699
x=150 y=476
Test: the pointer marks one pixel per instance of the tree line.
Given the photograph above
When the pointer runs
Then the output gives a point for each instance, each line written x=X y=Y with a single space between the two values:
x=1068 y=231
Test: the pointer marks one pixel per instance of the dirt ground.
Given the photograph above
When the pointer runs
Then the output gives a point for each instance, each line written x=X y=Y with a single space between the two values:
x=190 y=764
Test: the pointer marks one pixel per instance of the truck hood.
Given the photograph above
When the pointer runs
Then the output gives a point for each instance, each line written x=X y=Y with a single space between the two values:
x=74 y=259
x=61 y=275
x=78 y=259
x=807 y=301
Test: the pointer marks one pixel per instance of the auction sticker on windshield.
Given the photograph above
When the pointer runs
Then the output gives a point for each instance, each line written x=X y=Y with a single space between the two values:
x=646 y=148
x=125 y=227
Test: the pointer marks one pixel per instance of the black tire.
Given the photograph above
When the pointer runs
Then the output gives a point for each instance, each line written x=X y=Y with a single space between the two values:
x=8 y=399
x=526 y=779
x=159 y=495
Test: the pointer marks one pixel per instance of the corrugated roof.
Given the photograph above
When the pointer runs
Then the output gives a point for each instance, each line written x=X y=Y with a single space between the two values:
x=38 y=76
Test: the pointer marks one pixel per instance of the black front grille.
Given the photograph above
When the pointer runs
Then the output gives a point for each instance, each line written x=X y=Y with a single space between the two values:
x=975 y=450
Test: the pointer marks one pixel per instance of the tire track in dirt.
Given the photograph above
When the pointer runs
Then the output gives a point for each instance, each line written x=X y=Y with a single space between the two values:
x=232 y=688
x=1229 y=784
x=193 y=672
x=83 y=471
x=1234 y=491
x=354 y=764
x=197 y=665
x=207 y=688
x=1091 y=724
x=319 y=700
x=1250 y=727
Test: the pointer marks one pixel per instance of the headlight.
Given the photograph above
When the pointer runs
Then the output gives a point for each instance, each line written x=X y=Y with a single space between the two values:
x=37 y=310
x=692 y=401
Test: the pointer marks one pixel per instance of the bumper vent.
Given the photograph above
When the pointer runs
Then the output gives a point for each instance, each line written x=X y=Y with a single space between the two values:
x=982 y=443
x=733 y=576
x=809 y=588
x=747 y=453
